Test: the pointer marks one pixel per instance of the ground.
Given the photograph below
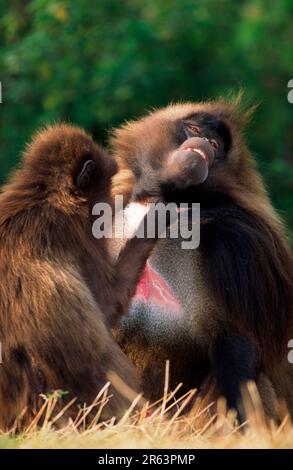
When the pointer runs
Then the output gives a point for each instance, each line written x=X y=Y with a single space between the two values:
x=153 y=427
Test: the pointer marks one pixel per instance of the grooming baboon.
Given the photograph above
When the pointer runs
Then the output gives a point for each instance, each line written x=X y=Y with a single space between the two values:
x=235 y=292
x=60 y=292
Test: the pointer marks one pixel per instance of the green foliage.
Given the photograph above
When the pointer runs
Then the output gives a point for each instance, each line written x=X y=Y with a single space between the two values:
x=98 y=63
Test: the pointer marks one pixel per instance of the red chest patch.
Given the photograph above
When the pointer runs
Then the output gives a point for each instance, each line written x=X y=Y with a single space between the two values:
x=153 y=288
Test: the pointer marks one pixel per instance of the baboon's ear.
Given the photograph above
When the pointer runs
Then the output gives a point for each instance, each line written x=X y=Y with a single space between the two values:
x=85 y=175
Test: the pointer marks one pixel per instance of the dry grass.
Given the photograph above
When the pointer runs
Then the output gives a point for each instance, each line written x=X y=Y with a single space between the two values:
x=160 y=425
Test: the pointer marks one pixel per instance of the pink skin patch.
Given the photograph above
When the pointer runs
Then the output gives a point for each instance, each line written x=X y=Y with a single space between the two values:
x=153 y=288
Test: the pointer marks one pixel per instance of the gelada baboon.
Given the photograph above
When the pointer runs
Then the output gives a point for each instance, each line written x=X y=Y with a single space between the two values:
x=224 y=309
x=60 y=292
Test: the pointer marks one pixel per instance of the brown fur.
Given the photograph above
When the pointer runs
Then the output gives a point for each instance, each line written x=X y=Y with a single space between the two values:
x=59 y=289
x=255 y=300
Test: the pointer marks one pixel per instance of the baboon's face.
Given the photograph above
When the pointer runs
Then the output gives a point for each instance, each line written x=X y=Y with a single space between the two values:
x=181 y=152
x=201 y=141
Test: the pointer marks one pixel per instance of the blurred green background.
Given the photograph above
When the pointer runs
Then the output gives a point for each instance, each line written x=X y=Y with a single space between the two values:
x=97 y=63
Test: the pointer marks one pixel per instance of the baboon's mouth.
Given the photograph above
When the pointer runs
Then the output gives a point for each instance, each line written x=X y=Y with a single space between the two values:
x=197 y=150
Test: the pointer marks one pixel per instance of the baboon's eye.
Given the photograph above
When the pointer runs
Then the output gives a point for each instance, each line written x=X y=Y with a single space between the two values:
x=193 y=128
x=214 y=143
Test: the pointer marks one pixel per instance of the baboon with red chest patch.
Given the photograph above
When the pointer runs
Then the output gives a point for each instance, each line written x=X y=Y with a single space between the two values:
x=60 y=292
x=224 y=310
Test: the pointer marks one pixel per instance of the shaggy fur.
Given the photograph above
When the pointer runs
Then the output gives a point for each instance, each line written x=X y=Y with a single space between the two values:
x=238 y=297
x=59 y=290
